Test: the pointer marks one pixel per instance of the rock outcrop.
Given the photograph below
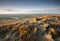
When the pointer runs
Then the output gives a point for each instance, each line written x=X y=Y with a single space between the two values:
x=45 y=29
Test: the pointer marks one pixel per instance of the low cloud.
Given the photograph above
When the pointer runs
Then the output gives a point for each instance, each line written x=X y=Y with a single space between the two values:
x=10 y=10
x=57 y=10
x=7 y=11
x=20 y=11
x=13 y=11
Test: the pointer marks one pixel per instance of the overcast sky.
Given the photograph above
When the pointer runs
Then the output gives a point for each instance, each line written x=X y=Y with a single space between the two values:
x=29 y=6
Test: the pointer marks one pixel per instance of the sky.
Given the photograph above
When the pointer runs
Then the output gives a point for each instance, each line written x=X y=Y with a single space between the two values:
x=29 y=6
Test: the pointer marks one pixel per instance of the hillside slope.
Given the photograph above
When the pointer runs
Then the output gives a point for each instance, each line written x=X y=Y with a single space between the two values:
x=45 y=29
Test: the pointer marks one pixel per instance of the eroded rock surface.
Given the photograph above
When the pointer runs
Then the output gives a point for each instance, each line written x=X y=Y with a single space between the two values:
x=45 y=29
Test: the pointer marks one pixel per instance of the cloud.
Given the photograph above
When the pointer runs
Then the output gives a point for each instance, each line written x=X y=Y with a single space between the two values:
x=7 y=11
x=10 y=10
x=29 y=11
x=13 y=11
x=57 y=10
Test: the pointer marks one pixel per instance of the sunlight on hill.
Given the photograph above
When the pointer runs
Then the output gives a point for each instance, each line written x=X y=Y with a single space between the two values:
x=45 y=28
